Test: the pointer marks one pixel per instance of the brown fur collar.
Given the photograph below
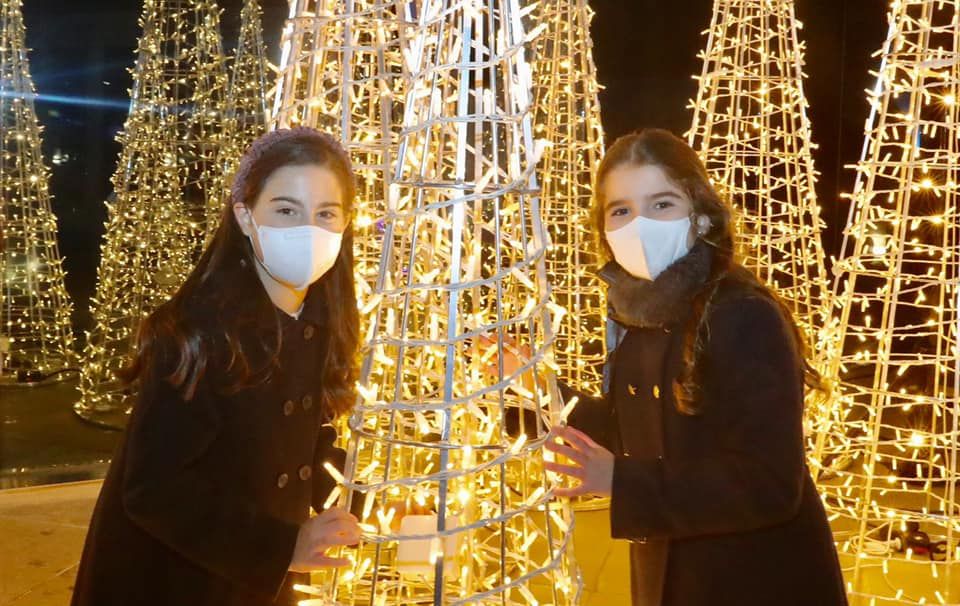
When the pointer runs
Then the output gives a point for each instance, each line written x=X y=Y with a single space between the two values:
x=664 y=301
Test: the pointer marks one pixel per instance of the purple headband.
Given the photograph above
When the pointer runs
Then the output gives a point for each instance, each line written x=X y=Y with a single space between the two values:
x=264 y=142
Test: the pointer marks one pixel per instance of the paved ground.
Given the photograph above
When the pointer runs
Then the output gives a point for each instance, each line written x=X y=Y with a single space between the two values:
x=43 y=530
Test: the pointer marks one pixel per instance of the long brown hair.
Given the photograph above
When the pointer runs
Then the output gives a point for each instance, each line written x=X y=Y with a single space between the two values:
x=215 y=319
x=683 y=167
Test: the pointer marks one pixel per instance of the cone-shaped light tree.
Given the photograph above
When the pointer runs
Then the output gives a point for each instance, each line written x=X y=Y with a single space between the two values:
x=35 y=333
x=886 y=452
x=164 y=184
x=751 y=129
x=567 y=115
x=441 y=422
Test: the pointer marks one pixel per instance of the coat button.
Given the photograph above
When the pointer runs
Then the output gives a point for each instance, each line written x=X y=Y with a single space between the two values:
x=282 y=480
x=307 y=402
x=308 y=332
x=288 y=407
x=305 y=472
x=656 y=391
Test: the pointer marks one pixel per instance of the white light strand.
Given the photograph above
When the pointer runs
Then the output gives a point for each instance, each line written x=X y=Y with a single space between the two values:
x=750 y=127
x=886 y=449
x=567 y=118
x=444 y=423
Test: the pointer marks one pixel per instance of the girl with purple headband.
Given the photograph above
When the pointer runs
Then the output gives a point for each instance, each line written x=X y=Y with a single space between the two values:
x=239 y=375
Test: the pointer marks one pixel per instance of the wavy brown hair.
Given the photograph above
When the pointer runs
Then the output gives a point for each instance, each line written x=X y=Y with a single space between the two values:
x=216 y=320
x=661 y=148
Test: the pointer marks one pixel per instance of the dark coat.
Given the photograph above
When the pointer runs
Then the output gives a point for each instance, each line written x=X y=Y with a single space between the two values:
x=204 y=499
x=720 y=507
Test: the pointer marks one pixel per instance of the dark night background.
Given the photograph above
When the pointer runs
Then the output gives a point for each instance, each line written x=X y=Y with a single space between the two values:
x=645 y=51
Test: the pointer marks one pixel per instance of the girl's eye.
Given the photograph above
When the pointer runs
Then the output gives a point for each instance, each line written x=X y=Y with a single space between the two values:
x=663 y=205
x=328 y=214
x=618 y=212
x=285 y=211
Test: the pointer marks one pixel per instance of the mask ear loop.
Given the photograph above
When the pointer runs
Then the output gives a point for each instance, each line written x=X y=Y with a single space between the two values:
x=249 y=215
x=256 y=230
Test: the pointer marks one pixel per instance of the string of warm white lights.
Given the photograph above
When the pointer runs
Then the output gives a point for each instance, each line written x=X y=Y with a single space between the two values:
x=247 y=94
x=246 y=111
x=751 y=128
x=164 y=183
x=35 y=334
x=441 y=428
x=567 y=115
x=342 y=71
x=886 y=455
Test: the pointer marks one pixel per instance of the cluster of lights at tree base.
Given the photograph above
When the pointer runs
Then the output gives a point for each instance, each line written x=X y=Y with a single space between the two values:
x=440 y=425
x=887 y=446
x=163 y=185
x=567 y=115
x=35 y=332
x=752 y=132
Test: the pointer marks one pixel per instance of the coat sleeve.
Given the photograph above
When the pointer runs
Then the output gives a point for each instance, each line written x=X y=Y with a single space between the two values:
x=590 y=415
x=167 y=495
x=755 y=478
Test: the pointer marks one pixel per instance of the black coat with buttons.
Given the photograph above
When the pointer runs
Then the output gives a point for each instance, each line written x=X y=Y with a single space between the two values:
x=720 y=507
x=204 y=498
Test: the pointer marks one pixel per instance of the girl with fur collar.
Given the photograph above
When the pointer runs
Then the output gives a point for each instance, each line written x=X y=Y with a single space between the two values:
x=698 y=436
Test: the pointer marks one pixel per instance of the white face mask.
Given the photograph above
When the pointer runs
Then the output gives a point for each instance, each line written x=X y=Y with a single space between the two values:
x=645 y=247
x=297 y=256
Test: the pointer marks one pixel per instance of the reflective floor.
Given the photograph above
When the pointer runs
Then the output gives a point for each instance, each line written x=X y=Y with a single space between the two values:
x=42 y=441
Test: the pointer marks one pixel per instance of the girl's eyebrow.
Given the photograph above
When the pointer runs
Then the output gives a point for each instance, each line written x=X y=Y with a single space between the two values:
x=664 y=194
x=616 y=202
x=286 y=199
x=292 y=200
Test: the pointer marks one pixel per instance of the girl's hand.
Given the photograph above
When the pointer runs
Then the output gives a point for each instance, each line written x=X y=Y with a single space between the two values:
x=333 y=527
x=514 y=356
x=593 y=464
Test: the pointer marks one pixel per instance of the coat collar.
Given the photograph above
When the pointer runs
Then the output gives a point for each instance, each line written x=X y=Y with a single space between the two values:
x=663 y=302
x=313 y=312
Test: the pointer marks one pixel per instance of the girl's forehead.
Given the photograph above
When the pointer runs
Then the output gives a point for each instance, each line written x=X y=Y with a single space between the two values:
x=306 y=172
x=646 y=178
x=304 y=179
